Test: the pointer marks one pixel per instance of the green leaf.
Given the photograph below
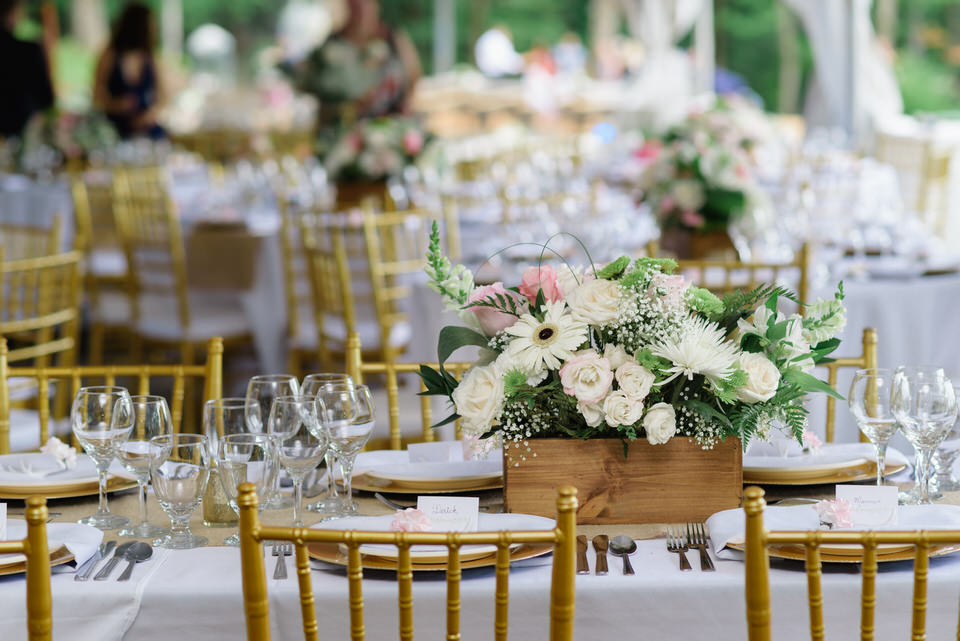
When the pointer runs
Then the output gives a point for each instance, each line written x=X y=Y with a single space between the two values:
x=809 y=383
x=706 y=411
x=453 y=337
x=450 y=419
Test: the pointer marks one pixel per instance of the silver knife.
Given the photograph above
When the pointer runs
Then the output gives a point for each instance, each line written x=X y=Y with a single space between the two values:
x=107 y=568
x=85 y=570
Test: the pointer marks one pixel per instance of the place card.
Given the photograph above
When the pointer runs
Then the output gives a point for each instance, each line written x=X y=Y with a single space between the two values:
x=450 y=513
x=436 y=452
x=871 y=505
x=3 y=521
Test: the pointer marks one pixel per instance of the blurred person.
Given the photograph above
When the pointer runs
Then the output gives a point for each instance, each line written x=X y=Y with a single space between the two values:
x=25 y=87
x=127 y=85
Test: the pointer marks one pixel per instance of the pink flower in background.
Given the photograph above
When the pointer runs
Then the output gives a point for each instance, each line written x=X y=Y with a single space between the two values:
x=410 y=520
x=537 y=278
x=355 y=141
x=837 y=513
x=649 y=151
x=692 y=219
x=667 y=203
x=810 y=440
x=412 y=142
x=673 y=287
x=491 y=320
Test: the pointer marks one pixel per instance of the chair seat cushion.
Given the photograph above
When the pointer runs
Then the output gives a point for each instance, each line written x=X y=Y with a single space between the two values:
x=210 y=316
x=336 y=334
x=112 y=308
x=107 y=261
x=25 y=429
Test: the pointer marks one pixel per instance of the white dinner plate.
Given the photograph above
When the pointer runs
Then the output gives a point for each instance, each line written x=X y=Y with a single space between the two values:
x=460 y=473
x=83 y=472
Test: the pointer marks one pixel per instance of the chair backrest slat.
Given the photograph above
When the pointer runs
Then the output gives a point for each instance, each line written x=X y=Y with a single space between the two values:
x=355 y=578
x=866 y=360
x=405 y=591
x=502 y=604
x=868 y=600
x=454 y=573
x=307 y=610
x=921 y=566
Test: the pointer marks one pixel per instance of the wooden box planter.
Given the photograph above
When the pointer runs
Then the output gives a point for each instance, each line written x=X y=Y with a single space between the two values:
x=671 y=483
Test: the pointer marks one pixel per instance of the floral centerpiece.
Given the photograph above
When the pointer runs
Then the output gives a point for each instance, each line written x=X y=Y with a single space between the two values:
x=58 y=138
x=372 y=150
x=628 y=350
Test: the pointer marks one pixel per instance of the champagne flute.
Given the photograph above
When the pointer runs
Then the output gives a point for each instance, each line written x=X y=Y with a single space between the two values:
x=245 y=458
x=310 y=388
x=945 y=456
x=151 y=417
x=262 y=390
x=348 y=419
x=925 y=405
x=869 y=400
x=180 y=477
x=101 y=418
x=299 y=444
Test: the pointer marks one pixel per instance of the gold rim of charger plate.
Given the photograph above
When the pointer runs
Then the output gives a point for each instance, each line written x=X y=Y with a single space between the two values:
x=58 y=557
x=799 y=553
x=368 y=484
x=21 y=492
x=862 y=472
x=331 y=553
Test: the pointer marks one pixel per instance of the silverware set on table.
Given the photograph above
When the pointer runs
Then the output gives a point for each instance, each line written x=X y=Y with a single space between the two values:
x=132 y=552
x=680 y=539
x=281 y=550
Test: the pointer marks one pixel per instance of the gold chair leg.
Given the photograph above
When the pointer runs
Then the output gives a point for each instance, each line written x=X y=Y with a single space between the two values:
x=189 y=423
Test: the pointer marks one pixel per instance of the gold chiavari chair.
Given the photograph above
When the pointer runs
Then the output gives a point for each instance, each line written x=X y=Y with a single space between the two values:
x=924 y=171
x=358 y=370
x=19 y=242
x=35 y=548
x=256 y=604
x=866 y=360
x=759 y=540
x=298 y=290
x=210 y=374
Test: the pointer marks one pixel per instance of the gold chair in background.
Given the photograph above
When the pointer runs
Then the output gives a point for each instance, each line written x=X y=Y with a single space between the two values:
x=924 y=171
x=36 y=549
x=210 y=374
x=298 y=292
x=256 y=604
x=866 y=360
x=759 y=540
x=19 y=242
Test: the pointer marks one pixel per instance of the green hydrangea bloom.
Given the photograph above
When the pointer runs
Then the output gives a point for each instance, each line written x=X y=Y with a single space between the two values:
x=705 y=302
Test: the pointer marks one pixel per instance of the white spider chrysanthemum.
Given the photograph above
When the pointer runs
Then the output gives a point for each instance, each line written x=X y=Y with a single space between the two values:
x=700 y=348
x=547 y=343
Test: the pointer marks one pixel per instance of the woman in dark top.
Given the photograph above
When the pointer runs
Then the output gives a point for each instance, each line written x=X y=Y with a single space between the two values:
x=127 y=86
x=25 y=87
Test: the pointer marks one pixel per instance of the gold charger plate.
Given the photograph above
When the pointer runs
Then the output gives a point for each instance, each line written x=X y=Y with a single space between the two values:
x=855 y=555
x=370 y=484
x=58 y=557
x=330 y=553
x=68 y=491
x=862 y=472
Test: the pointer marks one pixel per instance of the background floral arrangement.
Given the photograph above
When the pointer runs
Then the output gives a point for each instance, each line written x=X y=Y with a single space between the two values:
x=372 y=149
x=627 y=350
x=56 y=137
x=699 y=174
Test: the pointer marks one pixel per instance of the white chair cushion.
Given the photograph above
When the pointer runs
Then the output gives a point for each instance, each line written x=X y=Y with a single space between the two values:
x=335 y=331
x=210 y=316
x=25 y=430
x=107 y=261
x=112 y=308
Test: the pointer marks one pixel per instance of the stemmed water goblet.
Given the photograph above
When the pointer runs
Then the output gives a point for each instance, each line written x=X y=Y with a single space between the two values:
x=245 y=458
x=101 y=418
x=263 y=390
x=221 y=417
x=348 y=420
x=944 y=458
x=310 y=388
x=180 y=476
x=924 y=403
x=299 y=444
x=151 y=417
x=869 y=399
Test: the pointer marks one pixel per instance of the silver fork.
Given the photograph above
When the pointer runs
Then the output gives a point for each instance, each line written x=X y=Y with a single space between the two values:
x=281 y=551
x=675 y=544
x=697 y=538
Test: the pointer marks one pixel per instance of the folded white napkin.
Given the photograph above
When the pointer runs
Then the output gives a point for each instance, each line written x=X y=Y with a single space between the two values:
x=81 y=540
x=728 y=526
x=766 y=457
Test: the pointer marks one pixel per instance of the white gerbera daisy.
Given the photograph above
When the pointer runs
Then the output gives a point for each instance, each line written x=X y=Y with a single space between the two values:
x=700 y=348
x=545 y=344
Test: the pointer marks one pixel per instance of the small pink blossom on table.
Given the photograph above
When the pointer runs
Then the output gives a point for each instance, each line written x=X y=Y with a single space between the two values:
x=411 y=520
x=836 y=514
x=811 y=441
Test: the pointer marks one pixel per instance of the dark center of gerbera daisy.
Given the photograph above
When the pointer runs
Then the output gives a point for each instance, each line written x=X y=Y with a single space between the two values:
x=545 y=333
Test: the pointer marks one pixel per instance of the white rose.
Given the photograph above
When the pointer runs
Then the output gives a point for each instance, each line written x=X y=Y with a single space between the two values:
x=619 y=409
x=763 y=378
x=479 y=398
x=635 y=380
x=587 y=376
x=689 y=194
x=595 y=302
x=660 y=423
x=592 y=413
x=569 y=278
x=617 y=356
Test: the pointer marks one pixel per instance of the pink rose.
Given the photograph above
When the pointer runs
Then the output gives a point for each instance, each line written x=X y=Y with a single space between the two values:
x=837 y=514
x=542 y=278
x=692 y=219
x=667 y=203
x=649 y=151
x=491 y=320
x=412 y=142
x=410 y=520
x=587 y=377
x=355 y=141
x=672 y=286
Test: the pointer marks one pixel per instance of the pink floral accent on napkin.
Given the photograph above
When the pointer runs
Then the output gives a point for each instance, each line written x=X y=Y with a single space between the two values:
x=836 y=514
x=410 y=520
x=811 y=441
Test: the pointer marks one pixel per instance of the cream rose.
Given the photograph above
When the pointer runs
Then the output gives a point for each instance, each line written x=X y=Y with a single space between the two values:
x=586 y=376
x=595 y=302
x=619 y=409
x=592 y=413
x=763 y=378
x=569 y=278
x=635 y=380
x=660 y=423
x=617 y=356
x=479 y=398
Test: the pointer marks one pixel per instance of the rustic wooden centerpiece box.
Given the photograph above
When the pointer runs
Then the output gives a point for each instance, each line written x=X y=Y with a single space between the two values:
x=671 y=483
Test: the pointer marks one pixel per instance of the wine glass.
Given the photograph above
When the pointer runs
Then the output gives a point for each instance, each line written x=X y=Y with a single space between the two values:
x=869 y=400
x=263 y=390
x=151 y=417
x=299 y=444
x=180 y=477
x=944 y=458
x=311 y=386
x=101 y=418
x=925 y=405
x=347 y=416
x=245 y=458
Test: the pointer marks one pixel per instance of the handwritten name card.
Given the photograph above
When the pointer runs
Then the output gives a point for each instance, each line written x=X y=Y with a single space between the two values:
x=870 y=505
x=451 y=513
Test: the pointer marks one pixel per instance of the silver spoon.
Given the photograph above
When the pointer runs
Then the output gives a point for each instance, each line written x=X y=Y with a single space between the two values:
x=624 y=546
x=137 y=553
